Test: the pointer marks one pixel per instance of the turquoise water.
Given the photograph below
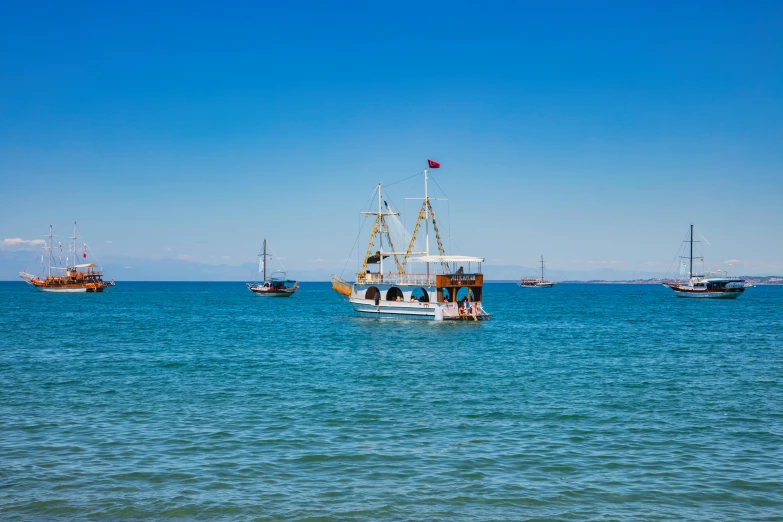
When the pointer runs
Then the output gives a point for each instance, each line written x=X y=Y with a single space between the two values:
x=201 y=401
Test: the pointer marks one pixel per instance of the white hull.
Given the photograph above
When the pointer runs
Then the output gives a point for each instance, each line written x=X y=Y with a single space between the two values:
x=63 y=290
x=275 y=294
x=708 y=295
x=396 y=309
x=704 y=294
x=411 y=310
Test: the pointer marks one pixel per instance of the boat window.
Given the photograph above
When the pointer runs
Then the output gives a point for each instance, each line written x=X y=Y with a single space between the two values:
x=463 y=293
x=444 y=295
x=421 y=295
x=371 y=292
x=393 y=294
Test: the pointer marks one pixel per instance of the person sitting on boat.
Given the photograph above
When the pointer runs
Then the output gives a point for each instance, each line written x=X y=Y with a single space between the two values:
x=413 y=298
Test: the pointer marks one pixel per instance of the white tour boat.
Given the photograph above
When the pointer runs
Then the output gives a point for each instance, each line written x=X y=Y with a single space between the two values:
x=709 y=285
x=442 y=287
x=529 y=282
x=276 y=285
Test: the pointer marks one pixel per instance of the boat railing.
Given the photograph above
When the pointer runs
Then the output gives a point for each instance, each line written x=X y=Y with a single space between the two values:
x=392 y=278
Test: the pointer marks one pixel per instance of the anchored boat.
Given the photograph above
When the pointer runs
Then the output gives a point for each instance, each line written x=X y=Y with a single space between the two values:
x=72 y=277
x=418 y=284
x=537 y=283
x=276 y=285
x=715 y=285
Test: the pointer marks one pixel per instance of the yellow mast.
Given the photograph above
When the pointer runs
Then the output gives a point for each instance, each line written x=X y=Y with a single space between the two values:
x=380 y=221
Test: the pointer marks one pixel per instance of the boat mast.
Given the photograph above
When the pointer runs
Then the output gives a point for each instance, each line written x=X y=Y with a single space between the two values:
x=382 y=223
x=50 y=250
x=426 y=223
x=691 y=242
x=73 y=261
x=264 y=259
x=542 y=268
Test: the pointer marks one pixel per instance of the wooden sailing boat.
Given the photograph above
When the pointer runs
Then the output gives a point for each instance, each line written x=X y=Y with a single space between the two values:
x=74 y=278
x=537 y=283
x=715 y=285
x=449 y=288
x=276 y=285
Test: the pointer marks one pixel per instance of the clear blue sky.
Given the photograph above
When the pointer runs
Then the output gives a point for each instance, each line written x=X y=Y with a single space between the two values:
x=591 y=132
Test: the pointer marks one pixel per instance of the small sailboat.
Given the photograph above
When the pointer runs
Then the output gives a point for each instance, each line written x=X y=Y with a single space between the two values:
x=448 y=288
x=74 y=277
x=715 y=284
x=537 y=283
x=276 y=285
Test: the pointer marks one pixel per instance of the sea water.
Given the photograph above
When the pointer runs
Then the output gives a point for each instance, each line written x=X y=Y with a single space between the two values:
x=202 y=401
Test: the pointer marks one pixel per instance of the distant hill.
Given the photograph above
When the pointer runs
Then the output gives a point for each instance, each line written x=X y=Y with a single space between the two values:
x=13 y=262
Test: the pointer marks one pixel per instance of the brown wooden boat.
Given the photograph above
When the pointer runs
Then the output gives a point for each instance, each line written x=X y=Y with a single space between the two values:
x=75 y=278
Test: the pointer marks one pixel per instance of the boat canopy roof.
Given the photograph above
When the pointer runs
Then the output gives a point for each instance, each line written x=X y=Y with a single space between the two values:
x=86 y=265
x=446 y=259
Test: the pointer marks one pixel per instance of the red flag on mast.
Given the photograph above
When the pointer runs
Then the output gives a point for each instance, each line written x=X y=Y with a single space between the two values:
x=433 y=164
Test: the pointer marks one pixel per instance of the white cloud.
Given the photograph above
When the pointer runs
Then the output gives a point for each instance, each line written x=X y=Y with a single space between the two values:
x=17 y=243
x=226 y=257
x=108 y=242
x=731 y=261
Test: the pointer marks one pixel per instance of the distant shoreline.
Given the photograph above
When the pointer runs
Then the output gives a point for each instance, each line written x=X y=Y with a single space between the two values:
x=756 y=280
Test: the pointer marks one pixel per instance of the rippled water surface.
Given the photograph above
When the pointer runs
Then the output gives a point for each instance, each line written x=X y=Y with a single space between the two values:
x=202 y=401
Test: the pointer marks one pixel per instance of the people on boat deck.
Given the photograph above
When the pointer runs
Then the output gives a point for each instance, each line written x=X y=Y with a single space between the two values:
x=412 y=298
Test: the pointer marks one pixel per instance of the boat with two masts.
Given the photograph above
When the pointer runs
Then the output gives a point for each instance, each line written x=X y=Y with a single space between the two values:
x=276 y=285
x=537 y=283
x=418 y=283
x=73 y=277
x=709 y=285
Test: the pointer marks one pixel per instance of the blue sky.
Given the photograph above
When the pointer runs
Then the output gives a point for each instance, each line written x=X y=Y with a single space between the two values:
x=593 y=133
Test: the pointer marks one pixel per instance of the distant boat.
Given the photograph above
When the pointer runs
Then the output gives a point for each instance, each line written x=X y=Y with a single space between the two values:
x=74 y=277
x=449 y=288
x=715 y=284
x=276 y=285
x=537 y=283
